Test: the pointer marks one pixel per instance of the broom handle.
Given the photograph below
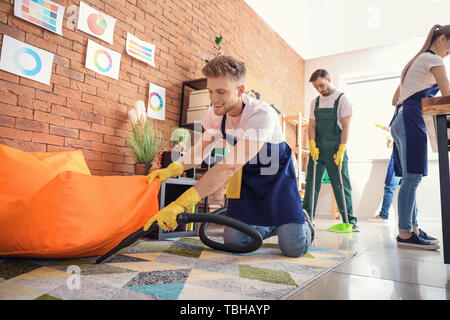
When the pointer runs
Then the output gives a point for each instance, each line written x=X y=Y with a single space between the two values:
x=313 y=190
x=343 y=196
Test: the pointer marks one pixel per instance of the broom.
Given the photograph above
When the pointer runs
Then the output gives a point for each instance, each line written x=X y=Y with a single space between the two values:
x=342 y=227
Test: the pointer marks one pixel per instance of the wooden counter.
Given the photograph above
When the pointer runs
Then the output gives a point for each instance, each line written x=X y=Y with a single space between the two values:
x=436 y=114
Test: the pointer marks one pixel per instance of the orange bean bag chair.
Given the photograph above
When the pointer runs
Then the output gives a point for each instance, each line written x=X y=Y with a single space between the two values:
x=51 y=207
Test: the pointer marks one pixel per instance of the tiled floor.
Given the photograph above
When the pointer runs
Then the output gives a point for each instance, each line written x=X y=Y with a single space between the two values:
x=380 y=270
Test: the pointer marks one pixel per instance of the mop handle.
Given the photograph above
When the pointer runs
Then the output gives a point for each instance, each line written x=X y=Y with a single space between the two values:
x=313 y=190
x=343 y=196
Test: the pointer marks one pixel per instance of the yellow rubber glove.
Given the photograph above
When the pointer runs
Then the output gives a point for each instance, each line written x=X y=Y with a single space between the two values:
x=167 y=216
x=313 y=150
x=339 y=156
x=174 y=169
x=233 y=189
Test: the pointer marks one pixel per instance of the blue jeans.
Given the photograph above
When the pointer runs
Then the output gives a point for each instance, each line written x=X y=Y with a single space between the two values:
x=293 y=238
x=389 y=190
x=407 y=209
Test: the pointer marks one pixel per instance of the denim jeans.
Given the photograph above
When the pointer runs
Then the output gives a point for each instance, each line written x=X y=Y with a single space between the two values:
x=407 y=209
x=389 y=190
x=293 y=238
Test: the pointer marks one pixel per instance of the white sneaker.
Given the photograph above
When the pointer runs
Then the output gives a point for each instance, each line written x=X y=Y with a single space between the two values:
x=379 y=219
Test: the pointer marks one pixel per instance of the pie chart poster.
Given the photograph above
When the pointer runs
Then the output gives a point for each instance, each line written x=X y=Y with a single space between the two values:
x=96 y=23
x=156 y=102
x=102 y=60
x=25 y=60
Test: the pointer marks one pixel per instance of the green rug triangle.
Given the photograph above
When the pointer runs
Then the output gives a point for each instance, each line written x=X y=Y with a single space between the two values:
x=192 y=240
x=153 y=247
x=270 y=245
x=267 y=275
x=186 y=248
x=308 y=255
x=13 y=268
x=169 y=291
x=46 y=297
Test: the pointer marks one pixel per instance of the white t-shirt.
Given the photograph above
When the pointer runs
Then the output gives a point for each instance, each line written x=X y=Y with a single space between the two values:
x=344 y=107
x=419 y=76
x=257 y=122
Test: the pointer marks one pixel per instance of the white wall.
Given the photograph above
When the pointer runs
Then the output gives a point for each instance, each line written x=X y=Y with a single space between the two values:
x=367 y=176
x=317 y=28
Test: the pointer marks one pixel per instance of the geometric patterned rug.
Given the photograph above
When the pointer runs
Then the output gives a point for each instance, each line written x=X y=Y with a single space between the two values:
x=183 y=269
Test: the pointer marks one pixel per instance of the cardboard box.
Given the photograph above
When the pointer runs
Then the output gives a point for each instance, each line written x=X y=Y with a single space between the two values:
x=199 y=98
x=197 y=114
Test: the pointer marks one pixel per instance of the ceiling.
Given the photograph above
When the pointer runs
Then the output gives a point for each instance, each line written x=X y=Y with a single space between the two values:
x=317 y=28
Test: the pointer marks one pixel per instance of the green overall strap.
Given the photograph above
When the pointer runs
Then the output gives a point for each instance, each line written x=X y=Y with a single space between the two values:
x=336 y=102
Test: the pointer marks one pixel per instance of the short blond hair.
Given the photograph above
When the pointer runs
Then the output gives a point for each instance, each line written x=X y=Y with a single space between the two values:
x=222 y=66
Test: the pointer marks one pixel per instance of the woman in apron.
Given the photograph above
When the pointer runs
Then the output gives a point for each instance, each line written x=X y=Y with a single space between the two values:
x=422 y=78
x=261 y=193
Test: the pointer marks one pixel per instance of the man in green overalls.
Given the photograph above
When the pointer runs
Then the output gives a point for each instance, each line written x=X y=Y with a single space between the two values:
x=328 y=131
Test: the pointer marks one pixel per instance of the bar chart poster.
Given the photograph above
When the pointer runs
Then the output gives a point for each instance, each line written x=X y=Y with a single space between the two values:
x=140 y=50
x=44 y=13
x=26 y=61
x=96 y=23
x=103 y=60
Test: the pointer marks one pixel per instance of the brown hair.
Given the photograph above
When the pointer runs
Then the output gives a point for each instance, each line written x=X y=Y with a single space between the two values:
x=435 y=32
x=322 y=73
x=222 y=66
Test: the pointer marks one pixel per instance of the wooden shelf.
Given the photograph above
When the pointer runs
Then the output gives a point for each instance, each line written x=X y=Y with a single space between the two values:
x=294 y=120
x=191 y=126
x=299 y=150
x=198 y=84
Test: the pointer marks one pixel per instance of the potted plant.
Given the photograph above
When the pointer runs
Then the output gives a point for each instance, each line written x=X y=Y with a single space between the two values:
x=217 y=41
x=180 y=138
x=143 y=142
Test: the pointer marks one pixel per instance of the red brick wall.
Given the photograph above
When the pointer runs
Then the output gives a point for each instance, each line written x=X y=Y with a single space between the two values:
x=84 y=110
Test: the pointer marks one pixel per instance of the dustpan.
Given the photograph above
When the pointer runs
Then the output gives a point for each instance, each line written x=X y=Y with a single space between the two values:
x=342 y=227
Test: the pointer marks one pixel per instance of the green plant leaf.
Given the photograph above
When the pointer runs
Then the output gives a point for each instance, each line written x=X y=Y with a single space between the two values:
x=181 y=135
x=143 y=142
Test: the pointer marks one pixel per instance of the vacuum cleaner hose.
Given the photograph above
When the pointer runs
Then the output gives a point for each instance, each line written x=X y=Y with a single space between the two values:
x=217 y=217
x=205 y=218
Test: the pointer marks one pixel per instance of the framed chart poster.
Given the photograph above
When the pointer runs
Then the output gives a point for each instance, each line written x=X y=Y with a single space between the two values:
x=44 y=13
x=103 y=60
x=140 y=50
x=156 y=108
x=25 y=60
x=96 y=23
